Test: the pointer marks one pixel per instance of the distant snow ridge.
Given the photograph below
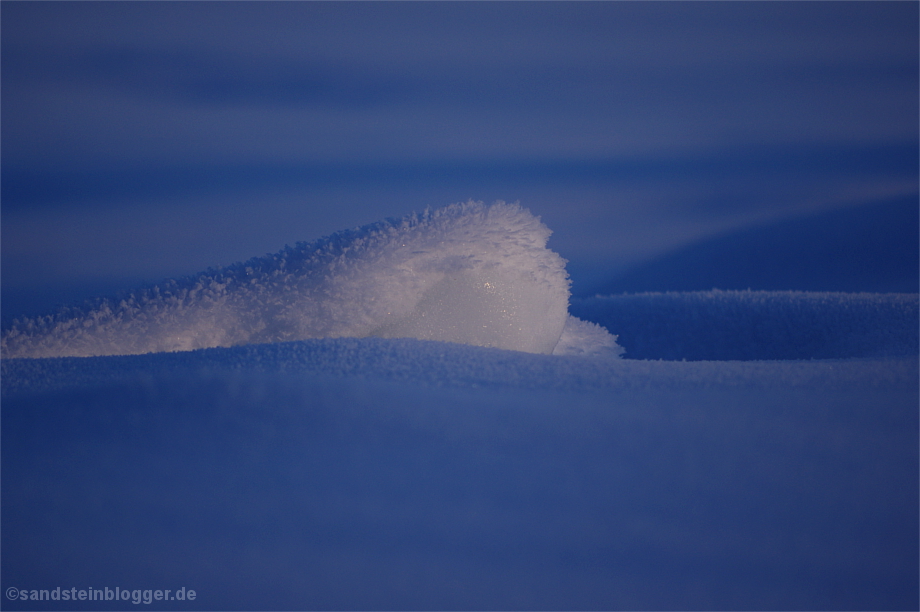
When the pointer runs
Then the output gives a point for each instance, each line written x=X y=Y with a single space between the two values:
x=466 y=273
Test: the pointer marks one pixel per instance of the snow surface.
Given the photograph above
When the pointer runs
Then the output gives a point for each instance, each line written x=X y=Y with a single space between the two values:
x=759 y=451
x=465 y=273
x=870 y=246
x=407 y=474
x=746 y=325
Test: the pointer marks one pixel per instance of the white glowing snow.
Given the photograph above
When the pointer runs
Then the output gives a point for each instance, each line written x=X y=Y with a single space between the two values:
x=467 y=273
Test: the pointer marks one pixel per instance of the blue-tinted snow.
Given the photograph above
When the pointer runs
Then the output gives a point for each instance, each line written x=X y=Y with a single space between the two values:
x=754 y=450
x=361 y=484
x=467 y=273
x=724 y=325
x=372 y=473
x=442 y=364
x=866 y=247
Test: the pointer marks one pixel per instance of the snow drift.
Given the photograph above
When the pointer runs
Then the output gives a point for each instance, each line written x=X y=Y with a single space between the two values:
x=401 y=474
x=748 y=325
x=467 y=273
x=404 y=474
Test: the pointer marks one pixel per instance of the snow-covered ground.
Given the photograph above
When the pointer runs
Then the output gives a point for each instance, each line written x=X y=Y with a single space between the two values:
x=748 y=450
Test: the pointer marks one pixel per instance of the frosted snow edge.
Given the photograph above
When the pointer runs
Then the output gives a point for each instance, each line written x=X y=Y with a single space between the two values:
x=466 y=273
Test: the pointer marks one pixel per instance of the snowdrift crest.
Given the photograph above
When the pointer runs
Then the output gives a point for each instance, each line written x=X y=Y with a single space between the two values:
x=466 y=273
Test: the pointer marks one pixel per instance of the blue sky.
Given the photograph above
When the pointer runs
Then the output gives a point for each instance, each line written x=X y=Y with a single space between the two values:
x=147 y=140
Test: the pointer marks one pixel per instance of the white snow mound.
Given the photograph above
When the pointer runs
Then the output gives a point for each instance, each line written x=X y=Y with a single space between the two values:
x=466 y=273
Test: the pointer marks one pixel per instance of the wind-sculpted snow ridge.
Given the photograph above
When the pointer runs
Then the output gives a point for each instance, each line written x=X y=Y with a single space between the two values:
x=466 y=273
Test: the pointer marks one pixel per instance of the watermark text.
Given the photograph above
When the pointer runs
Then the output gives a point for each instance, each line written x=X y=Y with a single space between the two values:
x=135 y=596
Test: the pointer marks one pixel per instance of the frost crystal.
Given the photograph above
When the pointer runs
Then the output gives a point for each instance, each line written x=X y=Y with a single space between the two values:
x=467 y=273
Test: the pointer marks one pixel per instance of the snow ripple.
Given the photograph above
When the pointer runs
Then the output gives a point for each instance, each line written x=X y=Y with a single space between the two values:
x=466 y=273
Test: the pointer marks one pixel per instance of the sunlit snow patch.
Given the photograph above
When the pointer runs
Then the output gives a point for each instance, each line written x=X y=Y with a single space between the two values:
x=466 y=273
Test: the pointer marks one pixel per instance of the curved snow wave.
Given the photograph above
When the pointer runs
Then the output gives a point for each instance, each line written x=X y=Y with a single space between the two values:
x=467 y=273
